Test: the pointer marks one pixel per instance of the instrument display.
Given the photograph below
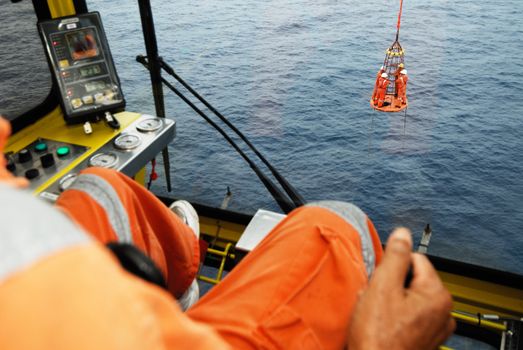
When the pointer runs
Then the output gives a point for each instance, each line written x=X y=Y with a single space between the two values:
x=67 y=181
x=149 y=124
x=83 y=66
x=104 y=160
x=127 y=141
x=82 y=44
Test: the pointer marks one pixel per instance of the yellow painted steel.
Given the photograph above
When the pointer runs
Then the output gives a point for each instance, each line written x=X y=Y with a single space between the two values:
x=473 y=296
x=220 y=253
x=473 y=320
x=224 y=230
x=53 y=127
x=140 y=177
x=61 y=8
x=224 y=255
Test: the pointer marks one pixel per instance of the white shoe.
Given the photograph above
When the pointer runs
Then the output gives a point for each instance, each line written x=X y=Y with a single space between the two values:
x=191 y=296
x=185 y=211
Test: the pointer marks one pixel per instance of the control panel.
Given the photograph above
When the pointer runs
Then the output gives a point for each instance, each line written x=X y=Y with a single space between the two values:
x=51 y=155
x=128 y=152
x=82 y=64
x=42 y=159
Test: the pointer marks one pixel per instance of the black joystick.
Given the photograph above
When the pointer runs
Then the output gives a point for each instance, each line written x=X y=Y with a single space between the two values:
x=47 y=160
x=24 y=155
x=11 y=166
x=31 y=174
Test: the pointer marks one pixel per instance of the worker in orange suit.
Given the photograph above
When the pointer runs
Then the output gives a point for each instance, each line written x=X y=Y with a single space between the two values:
x=397 y=75
x=401 y=88
x=375 y=91
x=306 y=286
x=383 y=83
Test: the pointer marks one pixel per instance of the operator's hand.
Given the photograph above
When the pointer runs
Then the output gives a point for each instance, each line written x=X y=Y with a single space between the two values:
x=388 y=316
x=5 y=176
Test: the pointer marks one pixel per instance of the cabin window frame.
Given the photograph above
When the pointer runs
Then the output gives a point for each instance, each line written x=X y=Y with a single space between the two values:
x=50 y=102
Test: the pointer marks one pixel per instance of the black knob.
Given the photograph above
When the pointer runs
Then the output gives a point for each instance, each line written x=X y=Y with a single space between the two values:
x=47 y=160
x=24 y=155
x=11 y=166
x=32 y=173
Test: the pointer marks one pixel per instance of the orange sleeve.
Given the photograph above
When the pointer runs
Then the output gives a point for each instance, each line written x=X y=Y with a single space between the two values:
x=81 y=299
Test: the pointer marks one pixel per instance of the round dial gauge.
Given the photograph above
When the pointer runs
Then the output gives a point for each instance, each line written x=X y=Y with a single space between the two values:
x=149 y=124
x=127 y=141
x=67 y=181
x=104 y=160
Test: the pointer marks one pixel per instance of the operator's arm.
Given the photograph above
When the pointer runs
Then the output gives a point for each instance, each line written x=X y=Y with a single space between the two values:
x=388 y=316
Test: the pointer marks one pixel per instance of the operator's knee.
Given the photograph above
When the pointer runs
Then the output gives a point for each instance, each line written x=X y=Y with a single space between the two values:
x=361 y=227
x=110 y=175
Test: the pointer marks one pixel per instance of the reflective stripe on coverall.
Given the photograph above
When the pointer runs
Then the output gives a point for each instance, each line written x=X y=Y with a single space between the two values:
x=401 y=86
x=60 y=290
x=383 y=83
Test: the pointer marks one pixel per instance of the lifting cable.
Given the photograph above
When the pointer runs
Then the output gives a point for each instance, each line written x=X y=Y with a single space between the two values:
x=154 y=67
x=399 y=21
x=289 y=189
x=283 y=201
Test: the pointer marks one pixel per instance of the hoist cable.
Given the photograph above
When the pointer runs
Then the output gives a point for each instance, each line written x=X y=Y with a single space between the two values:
x=283 y=201
x=399 y=21
x=289 y=189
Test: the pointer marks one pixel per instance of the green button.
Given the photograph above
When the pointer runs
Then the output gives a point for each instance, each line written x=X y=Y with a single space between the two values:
x=40 y=147
x=62 y=151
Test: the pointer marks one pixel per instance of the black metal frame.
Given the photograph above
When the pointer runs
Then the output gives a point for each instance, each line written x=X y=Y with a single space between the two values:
x=51 y=101
x=149 y=36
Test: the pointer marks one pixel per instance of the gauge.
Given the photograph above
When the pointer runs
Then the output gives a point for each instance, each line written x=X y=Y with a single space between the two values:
x=67 y=181
x=149 y=124
x=104 y=160
x=127 y=141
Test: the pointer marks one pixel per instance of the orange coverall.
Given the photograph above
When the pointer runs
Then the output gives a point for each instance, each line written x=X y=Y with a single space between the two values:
x=401 y=88
x=375 y=91
x=383 y=83
x=60 y=288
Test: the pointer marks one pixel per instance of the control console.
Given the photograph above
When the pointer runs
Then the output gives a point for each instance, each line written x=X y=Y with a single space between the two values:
x=42 y=159
x=128 y=152
x=52 y=166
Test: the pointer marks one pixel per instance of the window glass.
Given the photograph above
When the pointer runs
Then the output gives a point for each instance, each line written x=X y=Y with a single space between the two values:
x=296 y=77
x=25 y=80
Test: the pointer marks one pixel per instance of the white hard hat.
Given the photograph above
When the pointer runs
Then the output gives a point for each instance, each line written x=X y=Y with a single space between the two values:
x=382 y=68
x=384 y=75
x=403 y=71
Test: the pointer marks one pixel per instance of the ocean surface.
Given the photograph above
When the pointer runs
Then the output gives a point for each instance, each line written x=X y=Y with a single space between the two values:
x=296 y=77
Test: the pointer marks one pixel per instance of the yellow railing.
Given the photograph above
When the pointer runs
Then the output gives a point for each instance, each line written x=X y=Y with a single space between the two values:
x=224 y=255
